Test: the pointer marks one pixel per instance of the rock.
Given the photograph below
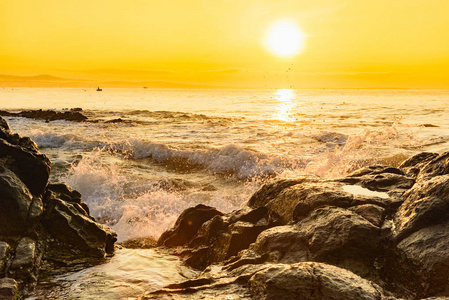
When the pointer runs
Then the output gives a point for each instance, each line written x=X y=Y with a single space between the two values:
x=421 y=261
x=412 y=166
x=48 y=115
x=426 y=203
x=118 y=120
x=224 y=236
x=187 y=225
x=311 y=281
x=381 y=178
x=5 y=249
x=329 y=234
x=65 y=222
x=33 y=169
x=25 y=254
x=435 y=167
x=271 y=190
x=25 y=264
x=373 y=213
x=18 y=214
x=63 y=192
x=4 y=126
x=8 y=289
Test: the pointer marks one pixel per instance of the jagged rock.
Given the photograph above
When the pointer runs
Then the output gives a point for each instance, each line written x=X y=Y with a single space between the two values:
x=187 y=225
x=32 y=168
x=15 y=139
x=435 y=167
x=311 y=281
x=224 y=236
x=8 y=289
x=413 y=165
x=18 y=214
x=65 y=222
x=64 y=192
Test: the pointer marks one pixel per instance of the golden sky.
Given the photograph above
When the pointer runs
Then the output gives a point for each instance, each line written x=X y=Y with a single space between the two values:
x=347 y=43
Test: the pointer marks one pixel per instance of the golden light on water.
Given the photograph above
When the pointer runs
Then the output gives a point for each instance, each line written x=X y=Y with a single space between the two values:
x=285 y=39
x=284 y=111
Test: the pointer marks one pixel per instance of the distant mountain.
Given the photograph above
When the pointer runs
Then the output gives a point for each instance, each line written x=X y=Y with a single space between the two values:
x=53 y=81
x=36 y=77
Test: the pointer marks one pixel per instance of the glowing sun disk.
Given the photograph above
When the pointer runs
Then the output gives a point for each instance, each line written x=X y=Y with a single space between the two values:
x=285 y=39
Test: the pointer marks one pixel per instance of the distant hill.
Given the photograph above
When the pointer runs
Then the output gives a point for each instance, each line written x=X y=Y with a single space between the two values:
x=36 y=77
x=53 y=81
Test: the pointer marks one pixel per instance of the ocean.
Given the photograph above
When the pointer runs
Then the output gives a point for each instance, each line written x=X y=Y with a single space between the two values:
x=169 y=149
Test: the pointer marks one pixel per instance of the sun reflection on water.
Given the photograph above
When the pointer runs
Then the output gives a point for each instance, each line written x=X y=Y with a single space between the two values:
x=284 y=112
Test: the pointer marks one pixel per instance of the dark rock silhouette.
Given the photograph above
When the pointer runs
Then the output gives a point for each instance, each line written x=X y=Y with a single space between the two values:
x=43 y=226
x=48 y=115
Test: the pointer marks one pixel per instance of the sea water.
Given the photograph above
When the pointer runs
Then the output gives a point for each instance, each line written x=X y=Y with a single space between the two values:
x=175 y=148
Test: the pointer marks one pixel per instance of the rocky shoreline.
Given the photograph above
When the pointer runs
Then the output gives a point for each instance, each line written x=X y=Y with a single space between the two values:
x=45 y=228
x=379 y=233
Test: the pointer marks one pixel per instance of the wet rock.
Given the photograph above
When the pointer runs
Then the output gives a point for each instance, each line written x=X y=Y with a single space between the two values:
x=118 y=120
x=4 y=126
x=270 y=191
x=48 y=115
x=421 y=261
x=65 y=222
x=33 y=169
x=25 y=254
x=16 y=203
x=224 y=236
x=426 y=203
x=435 y=167
x=311 y=281
x=63 y=192
x=5 y=249
x=15 y=139
x=8 y=289
x=187 y=225
x=413 y=165
x=330 y=234
x=25 y=264
x=381 y=178
x=373 y=213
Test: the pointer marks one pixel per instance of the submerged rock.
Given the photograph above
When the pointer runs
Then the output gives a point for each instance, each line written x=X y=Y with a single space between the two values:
x=48 y=115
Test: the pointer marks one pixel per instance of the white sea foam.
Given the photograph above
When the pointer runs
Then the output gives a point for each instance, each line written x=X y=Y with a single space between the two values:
x=135 y=207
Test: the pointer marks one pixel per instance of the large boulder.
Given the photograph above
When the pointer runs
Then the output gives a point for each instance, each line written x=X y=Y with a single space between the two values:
x=329 y=234
x=32 y=168
x=187 y=225
x=19 y=210
x=69 y=223
x=418 y=259
x=311 y=281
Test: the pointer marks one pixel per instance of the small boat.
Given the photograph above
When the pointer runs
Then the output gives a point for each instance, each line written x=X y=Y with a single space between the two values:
x=98 y=89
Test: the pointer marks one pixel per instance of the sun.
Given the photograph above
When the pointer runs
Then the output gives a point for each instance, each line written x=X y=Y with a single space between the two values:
x=285 y=38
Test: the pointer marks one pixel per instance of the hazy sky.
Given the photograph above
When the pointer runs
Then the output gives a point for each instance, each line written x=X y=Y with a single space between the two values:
x=348 y=43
